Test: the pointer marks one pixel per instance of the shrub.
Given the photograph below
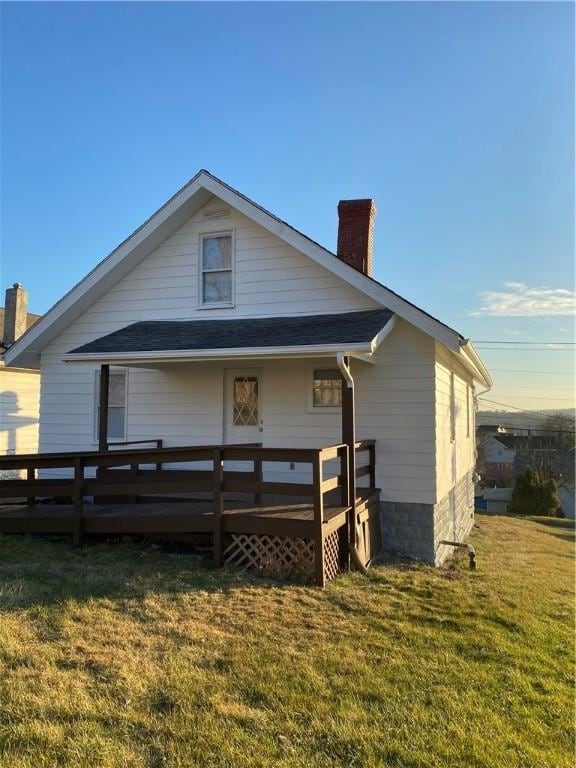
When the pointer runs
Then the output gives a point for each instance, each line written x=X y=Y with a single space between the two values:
x=534 y=496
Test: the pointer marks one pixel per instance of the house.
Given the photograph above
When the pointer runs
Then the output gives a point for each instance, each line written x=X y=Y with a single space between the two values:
x=506 y=456
x=218 y=323
x=498 y=461
x=19 y=387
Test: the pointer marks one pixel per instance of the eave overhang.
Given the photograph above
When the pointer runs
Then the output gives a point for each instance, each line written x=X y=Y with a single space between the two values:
x=363 y=351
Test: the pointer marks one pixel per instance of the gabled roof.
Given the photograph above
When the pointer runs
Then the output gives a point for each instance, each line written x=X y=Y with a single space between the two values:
x=174 y=214
x=350 y=330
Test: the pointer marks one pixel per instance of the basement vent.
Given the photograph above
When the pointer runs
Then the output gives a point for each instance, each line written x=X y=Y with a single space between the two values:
x=212 y=215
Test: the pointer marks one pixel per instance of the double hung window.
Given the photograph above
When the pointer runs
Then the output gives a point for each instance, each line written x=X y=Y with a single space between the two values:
x=216 y=269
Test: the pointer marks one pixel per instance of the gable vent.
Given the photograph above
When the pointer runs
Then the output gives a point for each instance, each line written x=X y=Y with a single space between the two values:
x=221 y=214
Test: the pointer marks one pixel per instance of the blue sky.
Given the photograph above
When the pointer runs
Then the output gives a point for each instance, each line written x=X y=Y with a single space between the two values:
x=458 y=118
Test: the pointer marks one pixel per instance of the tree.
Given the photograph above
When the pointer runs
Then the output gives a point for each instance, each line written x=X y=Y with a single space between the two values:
x=534 y=496
x=564 y=426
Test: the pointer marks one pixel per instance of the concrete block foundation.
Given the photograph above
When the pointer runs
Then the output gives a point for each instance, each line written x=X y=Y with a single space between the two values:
x=415 y=530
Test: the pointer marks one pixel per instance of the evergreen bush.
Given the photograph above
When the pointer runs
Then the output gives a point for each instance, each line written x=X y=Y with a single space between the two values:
x=534 y=496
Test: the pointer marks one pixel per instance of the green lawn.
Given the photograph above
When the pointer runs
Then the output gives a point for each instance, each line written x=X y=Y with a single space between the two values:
x=127 y=655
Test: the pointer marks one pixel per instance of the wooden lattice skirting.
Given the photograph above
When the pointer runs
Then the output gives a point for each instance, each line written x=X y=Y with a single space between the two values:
x=282 y=557
x=335 y=554
x=278 y=557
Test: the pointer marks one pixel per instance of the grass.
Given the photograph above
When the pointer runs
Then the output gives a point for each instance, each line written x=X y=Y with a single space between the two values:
x=130 y=656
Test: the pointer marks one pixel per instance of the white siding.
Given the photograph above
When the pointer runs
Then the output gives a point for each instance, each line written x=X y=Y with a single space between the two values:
x=270 y=277
x=455 y=458
x=183 y=404
x=19 y=408
x=395 y=406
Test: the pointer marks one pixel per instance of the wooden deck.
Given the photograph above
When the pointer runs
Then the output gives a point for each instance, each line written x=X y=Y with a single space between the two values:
x=199 y=490
x=149 y=518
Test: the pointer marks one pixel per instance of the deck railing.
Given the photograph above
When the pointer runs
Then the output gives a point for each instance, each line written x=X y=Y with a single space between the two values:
x=141 y=472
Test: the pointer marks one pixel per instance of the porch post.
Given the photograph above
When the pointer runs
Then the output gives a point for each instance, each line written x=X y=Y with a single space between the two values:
x=103 y=422
x=349 y=438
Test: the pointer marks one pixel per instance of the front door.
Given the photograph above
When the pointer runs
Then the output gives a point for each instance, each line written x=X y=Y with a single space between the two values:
x=243 y=406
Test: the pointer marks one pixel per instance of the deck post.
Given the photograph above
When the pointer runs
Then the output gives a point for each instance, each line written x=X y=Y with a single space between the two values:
x=258 y=477
x=372 y=455
x=345 y=497
x=349 y=438
x=103 y=419
x=78 y=501
x=30 y=475
x=218 y=506
x=318 y=520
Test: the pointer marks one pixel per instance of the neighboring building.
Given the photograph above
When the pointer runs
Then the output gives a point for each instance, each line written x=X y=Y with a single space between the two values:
x=497 y=462
x=506 y=456
x=223 y=324
x=19 y=387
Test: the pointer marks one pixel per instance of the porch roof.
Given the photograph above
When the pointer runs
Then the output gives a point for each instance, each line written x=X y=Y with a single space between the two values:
x=263 y=336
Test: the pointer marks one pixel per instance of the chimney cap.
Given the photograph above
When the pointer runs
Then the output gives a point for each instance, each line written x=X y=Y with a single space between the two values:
x=360 y=204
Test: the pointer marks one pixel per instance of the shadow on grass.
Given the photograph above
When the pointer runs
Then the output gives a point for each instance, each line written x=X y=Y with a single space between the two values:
x=554 y=522
x=38 y=571
x=563 y=535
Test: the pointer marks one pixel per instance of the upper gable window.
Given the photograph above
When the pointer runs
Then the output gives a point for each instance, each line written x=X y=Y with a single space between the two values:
x=216 y=269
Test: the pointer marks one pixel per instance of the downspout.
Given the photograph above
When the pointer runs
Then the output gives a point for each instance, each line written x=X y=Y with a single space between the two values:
x=354 y=555
x=344 y=369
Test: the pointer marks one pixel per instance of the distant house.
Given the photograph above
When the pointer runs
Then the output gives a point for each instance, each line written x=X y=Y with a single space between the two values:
x=498 y=461
x=217 y=323
x=19 y=387
x=506 y=456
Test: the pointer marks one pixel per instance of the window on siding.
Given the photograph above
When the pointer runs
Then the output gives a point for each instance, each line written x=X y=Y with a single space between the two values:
x=327 y=388
x=216 y=269
x=452 y=409
x=117 y=390
x=468 y=414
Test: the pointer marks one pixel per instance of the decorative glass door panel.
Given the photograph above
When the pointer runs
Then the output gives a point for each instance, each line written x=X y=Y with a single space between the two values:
x=243 y=406
x=245 y=401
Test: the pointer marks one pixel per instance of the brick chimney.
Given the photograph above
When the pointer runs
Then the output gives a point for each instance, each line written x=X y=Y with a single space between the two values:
x=355 y=233
x=15 y=314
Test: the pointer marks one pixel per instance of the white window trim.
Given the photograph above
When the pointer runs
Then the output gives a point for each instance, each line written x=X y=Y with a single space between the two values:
x=310 y=407
x=468 y=413
x=201 y=304
x=96 y=405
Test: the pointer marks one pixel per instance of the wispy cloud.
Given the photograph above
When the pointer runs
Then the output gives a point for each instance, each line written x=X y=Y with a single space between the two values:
x=518 y=300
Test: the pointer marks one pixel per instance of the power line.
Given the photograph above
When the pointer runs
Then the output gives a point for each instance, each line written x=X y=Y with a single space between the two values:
x=495 y=341
x=548 y=389
x=515 y=408
x=518 y=370
x=553 y=399
x=529 y=349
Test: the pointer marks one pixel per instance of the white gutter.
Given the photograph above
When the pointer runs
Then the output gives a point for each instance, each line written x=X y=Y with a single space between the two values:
x=468 y=349
x=382 y=333
x=168 y=356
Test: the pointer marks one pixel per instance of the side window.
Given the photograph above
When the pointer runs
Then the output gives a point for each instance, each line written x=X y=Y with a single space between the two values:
x=117 y=396
x=327 y=388
x=216 y=268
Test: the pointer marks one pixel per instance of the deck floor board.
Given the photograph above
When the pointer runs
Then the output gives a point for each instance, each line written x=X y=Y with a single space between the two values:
x=154 y=517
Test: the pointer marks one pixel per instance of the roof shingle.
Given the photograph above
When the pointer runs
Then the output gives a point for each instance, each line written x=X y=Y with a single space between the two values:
x=291 y=331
